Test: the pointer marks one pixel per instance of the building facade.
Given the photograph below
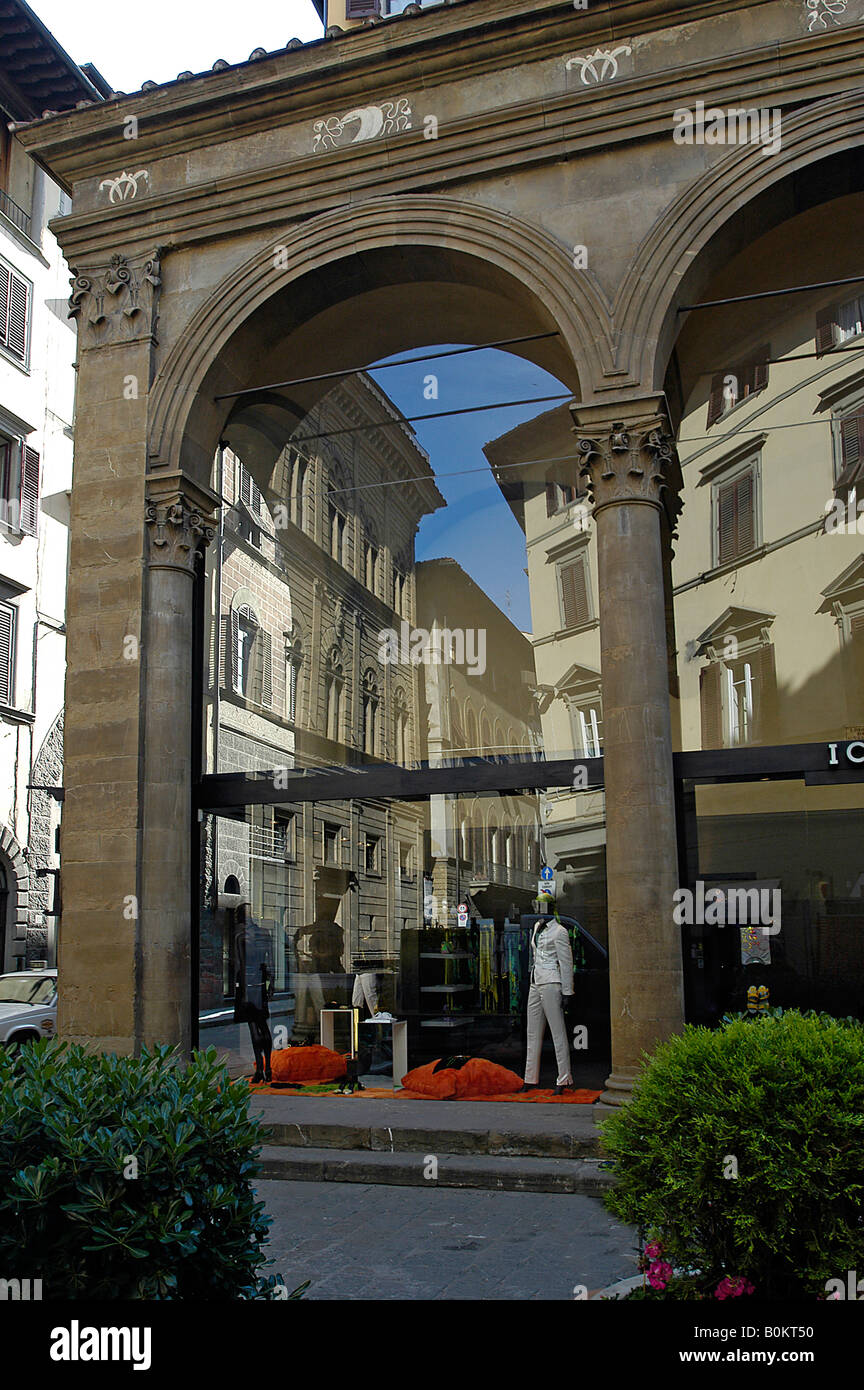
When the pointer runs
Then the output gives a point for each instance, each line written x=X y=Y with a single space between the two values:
x=385 y=189
x=37 y=389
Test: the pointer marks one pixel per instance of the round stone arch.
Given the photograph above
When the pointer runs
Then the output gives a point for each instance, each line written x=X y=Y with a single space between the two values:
x=13 y=932
x=738 y=198
x=510 y=278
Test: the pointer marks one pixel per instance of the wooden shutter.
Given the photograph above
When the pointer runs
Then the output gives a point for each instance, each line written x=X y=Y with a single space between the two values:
x=265 y=642
x=361 y=9
x=19 y=303
x=574 y=594
x=710 y=700
x=4 y=303
x=7 y=653
x=231 y=674
x=222 y=675
x=551 y=499
x=856 y=627
x=763 y=667
x=760 y=369
x=827 y=329
x=30 y=492
x=851 y=451
x=736 y=518
x=715 y=400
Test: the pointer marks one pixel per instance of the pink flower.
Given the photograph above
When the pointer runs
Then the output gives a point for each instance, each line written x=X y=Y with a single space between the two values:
x=654 y=1250
x=733 y=1287
x=659 y=1274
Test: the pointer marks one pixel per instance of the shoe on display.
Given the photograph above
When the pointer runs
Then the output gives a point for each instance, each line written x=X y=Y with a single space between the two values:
x=528 y=1086
x=559 y=1090
x=257 y=1077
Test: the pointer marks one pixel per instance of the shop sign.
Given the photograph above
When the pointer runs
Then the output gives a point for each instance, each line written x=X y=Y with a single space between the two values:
x=852 y=752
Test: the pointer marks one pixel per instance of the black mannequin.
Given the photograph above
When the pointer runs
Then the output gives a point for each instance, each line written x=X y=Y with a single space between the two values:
x=253 y=987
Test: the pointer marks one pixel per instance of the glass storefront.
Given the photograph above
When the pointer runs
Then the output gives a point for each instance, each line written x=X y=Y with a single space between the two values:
x=422 y=909
x=801 y=848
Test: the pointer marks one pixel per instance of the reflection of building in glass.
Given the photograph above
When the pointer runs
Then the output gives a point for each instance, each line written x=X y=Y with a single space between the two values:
x=307 y=581
x=767 y=606
x=482 y=850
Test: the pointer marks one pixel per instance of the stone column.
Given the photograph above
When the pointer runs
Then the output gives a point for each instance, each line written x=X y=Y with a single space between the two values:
x=179 y=522
x=633 y=474
x=114 y=302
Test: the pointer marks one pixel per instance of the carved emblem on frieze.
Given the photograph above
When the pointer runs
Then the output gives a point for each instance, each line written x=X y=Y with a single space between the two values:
x=117 y=302
x=363 y=123
x=591 y=74
x=124 y=187
x=821 y=11
x=176 y=529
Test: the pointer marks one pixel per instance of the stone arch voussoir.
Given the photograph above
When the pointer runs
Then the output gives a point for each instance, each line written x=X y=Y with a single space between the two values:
x=650 y=290
x=571 y=298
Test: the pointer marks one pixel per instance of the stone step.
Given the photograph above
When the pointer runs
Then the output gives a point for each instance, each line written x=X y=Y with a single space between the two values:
x=580 y=1141
x=408 y=1169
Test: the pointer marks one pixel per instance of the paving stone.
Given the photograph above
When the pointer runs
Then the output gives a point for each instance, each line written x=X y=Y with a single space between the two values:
x=414 y=1244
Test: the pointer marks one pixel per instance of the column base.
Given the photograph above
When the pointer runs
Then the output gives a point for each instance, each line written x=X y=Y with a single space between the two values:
x=619 y=1090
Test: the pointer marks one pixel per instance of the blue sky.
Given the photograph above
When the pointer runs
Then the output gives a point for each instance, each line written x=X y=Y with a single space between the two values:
x=477 y=528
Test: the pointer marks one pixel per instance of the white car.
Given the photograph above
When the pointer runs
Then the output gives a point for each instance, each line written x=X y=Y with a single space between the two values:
x=28 y=1006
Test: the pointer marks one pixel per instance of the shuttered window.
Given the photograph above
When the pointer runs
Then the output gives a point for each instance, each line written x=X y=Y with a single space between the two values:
x=19 y=486
x=737 y=383
x=15 y=299
x=249 y=492
x=7 y=654
x=839 y=322
x=30 y=492
x=361 y=9
x=850 y=432
x=735 y=504
x=738 y=700
x=574 y=594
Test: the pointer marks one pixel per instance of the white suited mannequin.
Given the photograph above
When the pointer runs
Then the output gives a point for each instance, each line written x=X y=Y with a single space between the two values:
x=551 y=984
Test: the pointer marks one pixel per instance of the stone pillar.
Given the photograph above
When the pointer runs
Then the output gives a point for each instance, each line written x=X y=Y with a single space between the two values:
x=179 y=521
x=124 y=939
x=114 y=302
x=633 y=474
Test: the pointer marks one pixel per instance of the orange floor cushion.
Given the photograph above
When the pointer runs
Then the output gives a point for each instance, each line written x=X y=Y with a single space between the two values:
x=477 y=1078
x=311 y=1063
x=481 y=1078
x=440 y=1085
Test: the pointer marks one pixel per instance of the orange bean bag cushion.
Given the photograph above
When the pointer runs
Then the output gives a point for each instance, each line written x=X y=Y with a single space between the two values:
x=477 y=1078
x=481 y=1078
x=311 y=1063
x=439 y=1085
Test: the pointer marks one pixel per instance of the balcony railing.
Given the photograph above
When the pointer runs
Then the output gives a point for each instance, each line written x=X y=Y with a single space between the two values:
x=14 y=213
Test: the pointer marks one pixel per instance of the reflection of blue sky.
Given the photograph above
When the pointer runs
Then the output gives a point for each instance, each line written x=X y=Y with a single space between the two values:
x=477 y=528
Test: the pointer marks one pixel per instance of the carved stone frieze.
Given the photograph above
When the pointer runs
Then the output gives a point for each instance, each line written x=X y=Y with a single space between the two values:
x=118 y=302
x=176 y=528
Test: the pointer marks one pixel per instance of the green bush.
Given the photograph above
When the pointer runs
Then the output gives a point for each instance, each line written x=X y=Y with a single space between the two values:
x=783 y=1099
x=128 y=1177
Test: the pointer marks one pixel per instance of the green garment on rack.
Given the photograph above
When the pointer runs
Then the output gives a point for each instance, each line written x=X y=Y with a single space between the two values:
x=488 y=981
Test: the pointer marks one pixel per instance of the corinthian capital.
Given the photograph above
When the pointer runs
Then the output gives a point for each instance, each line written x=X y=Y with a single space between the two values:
x=117 y=302
x=178 y=521
x=632 y=459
